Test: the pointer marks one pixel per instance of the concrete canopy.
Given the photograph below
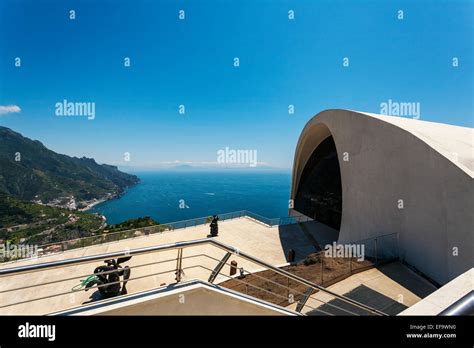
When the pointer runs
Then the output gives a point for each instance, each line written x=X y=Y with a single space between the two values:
x=404 y=176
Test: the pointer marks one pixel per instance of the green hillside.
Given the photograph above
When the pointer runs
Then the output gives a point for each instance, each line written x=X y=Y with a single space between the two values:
x=30 y=171
x=22 y=221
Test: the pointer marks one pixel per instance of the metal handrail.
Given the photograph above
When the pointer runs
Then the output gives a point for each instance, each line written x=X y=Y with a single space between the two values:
x=153 y=274
x=102 y=273
x=463 y=306
x=284 y=287
x=271 y=293
x=172 y=246
x=99 y=257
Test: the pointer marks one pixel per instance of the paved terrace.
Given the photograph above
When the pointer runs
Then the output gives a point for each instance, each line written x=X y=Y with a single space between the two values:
x=444 y=297
x=270 y=244
x=390 y=288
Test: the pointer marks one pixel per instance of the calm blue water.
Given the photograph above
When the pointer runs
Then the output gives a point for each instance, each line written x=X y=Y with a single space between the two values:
x=158 y=195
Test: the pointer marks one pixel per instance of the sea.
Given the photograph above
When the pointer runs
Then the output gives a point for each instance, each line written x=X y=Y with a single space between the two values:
x=169 y=196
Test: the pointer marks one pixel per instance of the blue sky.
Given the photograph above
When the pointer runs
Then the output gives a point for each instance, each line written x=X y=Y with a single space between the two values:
x=190 y=62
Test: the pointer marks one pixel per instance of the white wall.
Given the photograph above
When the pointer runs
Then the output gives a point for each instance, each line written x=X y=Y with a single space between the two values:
x=388 y=163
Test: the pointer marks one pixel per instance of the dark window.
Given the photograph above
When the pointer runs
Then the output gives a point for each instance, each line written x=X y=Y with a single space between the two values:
x=319 y=194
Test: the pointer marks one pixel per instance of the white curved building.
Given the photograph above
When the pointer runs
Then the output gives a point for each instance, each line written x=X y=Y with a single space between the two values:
x=370 y=175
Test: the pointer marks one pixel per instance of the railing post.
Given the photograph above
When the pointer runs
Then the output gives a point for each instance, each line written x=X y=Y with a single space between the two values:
x=288 y=287
x=179 y=265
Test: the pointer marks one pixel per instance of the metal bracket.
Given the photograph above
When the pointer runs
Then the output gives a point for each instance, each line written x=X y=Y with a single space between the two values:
x=303 y=300
x=219 y=267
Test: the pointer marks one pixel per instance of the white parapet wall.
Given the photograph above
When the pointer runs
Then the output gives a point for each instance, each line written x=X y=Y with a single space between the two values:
x=190 y=298
x=444 y=297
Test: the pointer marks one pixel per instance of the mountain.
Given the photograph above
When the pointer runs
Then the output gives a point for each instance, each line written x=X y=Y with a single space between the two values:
x=30 y=171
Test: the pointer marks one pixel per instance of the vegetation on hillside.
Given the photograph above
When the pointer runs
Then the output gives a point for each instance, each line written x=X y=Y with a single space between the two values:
x=31 y=223
x=30 y=171
x=132 y=224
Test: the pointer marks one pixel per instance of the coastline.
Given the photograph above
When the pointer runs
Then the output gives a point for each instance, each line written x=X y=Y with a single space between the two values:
x=109 y=197
x=93 y=204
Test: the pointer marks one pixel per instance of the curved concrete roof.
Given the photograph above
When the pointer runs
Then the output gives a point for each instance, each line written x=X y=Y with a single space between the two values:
x=453 y=142
x=384 y=159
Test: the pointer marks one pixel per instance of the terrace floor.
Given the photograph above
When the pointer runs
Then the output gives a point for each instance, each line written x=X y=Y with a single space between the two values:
x=390 y=288
x=269 y=244
x=155 y=270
